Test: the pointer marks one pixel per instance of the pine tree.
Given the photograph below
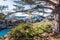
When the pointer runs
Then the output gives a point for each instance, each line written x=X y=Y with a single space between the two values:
x=54 y=5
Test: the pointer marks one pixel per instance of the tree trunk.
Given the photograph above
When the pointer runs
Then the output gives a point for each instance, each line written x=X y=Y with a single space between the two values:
x=55 y=24
x=56 y=20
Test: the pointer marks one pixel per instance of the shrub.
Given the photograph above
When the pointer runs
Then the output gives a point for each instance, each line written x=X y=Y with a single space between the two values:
x=25 y=30
x=22 y=27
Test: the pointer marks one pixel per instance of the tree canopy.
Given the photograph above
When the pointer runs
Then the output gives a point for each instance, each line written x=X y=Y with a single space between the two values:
x=39 y=5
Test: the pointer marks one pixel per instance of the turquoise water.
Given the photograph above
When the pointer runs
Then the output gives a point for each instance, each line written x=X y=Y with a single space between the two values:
x=4 y=32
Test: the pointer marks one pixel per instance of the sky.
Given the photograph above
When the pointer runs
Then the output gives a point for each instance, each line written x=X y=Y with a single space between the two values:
x=10 y=3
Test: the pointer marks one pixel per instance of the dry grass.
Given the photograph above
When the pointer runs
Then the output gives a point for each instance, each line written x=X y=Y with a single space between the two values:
x=43 y=22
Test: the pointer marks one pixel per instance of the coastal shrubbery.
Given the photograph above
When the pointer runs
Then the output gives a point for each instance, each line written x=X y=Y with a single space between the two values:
x=27 y=31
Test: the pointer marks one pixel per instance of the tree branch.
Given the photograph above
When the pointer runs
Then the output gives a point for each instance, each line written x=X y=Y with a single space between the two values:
x=33 y=9
x=51 y=2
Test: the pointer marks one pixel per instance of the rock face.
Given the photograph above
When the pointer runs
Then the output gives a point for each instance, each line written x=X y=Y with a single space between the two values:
x=7 y=37
x=44 y=36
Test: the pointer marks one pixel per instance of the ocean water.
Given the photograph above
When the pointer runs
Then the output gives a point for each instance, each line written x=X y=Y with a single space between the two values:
x=36 y=17
x=4 y=32
x=10 y=17
x=20 y=16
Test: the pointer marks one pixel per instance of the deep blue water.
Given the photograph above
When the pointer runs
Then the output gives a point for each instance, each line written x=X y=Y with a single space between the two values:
x=20 y=16
x=4 y=32
x=36 y=17
x=16 y=17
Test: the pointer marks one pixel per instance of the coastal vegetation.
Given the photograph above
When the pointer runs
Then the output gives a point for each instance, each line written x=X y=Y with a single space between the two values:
x=27 y=31
x=1 y=15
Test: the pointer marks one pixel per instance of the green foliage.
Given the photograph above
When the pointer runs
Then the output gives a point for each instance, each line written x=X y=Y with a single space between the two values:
x=21 y=27
x=25 y=30
x=1 y=15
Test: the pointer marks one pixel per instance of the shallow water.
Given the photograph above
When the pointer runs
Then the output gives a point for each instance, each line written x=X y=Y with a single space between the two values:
x=4 y=32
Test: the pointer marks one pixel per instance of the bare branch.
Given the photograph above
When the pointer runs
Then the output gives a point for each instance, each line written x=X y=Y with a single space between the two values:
x=51 y=2
x=33 y=9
